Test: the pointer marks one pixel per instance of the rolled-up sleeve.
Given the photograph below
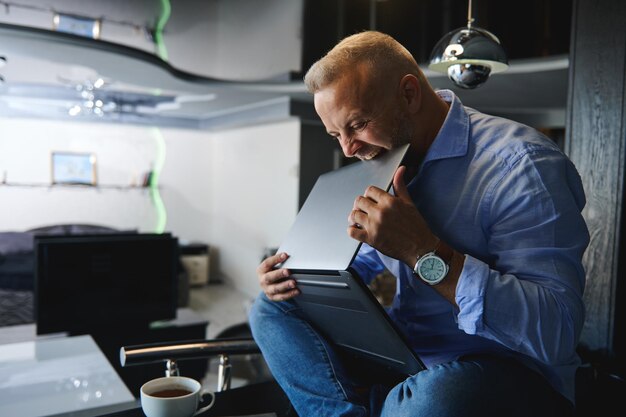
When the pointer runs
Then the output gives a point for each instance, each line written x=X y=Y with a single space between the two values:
x=367 y=264
x=527 y=295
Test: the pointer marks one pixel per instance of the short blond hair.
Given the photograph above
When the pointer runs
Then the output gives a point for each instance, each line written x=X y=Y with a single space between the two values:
x=382 y=54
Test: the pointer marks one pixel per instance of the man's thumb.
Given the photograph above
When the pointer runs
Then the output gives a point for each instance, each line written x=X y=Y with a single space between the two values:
x=399 y=187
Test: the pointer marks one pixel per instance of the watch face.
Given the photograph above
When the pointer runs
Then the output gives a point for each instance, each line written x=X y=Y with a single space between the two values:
x=432 y=269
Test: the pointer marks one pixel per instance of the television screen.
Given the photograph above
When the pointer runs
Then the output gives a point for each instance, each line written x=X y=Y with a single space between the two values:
x=104 y=283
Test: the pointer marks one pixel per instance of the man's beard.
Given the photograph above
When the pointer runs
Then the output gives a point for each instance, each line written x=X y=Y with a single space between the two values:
x=401 y=135
x=403 y=131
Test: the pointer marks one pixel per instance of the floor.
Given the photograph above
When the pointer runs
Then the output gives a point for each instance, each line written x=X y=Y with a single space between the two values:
x=222 y=306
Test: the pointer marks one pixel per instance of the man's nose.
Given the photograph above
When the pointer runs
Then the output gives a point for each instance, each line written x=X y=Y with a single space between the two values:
x=349 y=148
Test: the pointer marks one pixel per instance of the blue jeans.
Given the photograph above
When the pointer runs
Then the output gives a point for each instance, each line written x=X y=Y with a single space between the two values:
x=319 y=382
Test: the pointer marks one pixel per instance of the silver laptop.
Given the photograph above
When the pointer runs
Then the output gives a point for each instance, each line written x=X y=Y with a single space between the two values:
x=334 y=300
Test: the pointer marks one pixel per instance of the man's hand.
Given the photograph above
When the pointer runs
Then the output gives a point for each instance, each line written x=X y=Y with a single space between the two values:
x=391 y=224
x=275 y=283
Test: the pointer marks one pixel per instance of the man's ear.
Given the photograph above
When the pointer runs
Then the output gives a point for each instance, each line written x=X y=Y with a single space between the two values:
x=411 y=92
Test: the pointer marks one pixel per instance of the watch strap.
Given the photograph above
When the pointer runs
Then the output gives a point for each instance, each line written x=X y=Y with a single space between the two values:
x=443 y=251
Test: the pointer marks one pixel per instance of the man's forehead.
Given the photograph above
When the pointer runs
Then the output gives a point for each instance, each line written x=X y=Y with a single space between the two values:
x=339 y=102
x=346 y=89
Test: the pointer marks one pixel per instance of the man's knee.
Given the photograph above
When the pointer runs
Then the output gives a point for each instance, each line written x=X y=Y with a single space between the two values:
x=258 y=311
x=444 y=390
x=265 y=312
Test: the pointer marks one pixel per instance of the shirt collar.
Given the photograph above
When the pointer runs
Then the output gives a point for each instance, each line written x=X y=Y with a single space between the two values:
x=453 y=137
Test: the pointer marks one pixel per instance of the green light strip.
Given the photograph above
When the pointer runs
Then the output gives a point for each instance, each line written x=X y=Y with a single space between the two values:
x=166 y=10
x=154 y=181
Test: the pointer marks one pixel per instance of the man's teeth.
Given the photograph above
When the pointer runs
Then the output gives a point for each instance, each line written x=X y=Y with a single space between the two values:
x=370 y=155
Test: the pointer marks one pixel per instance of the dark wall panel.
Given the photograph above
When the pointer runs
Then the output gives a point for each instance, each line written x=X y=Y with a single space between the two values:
x=595 y=142
x=526 y=29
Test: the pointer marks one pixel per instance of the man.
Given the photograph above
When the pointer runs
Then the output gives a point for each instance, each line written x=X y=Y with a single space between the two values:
x=492 y=210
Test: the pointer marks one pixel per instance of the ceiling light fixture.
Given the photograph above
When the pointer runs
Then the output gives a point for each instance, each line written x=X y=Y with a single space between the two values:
x=469 y=55
x=93 y=101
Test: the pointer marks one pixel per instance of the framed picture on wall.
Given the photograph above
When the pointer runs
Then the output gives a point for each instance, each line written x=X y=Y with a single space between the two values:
x=73 y=168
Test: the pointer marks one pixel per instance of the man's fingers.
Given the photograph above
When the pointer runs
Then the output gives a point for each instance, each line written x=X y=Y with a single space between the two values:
x=270 y=262
x=363 y=203
x=282 y=287
x=358 y=233
x=357 y=218
x=285 y=296
x=375 y=194
x=282 y=291
x=275 y=282
x=273 y=277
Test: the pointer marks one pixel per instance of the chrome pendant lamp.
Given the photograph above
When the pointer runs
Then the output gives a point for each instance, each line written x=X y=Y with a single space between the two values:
x=469 y=55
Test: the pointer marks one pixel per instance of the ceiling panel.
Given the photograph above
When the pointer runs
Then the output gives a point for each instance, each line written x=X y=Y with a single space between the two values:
x=50 y=65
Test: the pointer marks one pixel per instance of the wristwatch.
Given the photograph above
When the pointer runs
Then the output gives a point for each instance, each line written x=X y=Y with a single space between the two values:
x=433 y=267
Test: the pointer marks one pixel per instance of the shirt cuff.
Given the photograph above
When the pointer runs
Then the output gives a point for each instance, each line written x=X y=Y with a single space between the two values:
x=470 y=295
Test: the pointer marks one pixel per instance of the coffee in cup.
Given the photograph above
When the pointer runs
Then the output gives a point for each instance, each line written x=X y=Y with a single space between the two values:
x=169 y=393
x=173 y=396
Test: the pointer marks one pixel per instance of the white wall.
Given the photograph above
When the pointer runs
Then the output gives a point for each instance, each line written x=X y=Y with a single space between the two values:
x=259 y=40
x=255 y=195
x=187 y=183
x=123 y=153
x=236 y=190
x=235 y=39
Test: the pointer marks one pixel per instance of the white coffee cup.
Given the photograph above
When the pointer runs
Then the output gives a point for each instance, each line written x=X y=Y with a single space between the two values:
x=173 y=396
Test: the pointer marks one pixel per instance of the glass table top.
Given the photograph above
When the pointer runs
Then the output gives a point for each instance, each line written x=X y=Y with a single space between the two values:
x=57 y=376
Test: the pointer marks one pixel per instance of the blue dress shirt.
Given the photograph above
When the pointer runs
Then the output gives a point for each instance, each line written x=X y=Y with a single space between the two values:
x=506 y=196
